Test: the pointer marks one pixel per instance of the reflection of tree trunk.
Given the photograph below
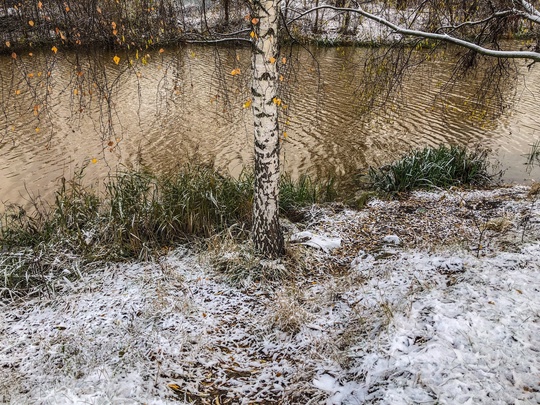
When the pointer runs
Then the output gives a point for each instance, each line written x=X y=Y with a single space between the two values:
x=267 y=233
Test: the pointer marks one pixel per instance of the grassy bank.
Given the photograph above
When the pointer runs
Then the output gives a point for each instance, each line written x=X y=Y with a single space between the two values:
x=140 y=213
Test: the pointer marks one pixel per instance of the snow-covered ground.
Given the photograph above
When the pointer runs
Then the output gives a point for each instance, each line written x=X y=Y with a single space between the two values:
x=431 y=300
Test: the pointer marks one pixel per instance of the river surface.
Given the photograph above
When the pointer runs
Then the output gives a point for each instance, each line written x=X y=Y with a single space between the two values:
x=63 y=111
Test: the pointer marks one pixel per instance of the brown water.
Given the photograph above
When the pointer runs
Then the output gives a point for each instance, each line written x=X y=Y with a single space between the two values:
x=63 y=111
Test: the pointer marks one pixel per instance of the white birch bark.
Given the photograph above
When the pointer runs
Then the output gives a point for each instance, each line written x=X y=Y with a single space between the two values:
x=267 y=232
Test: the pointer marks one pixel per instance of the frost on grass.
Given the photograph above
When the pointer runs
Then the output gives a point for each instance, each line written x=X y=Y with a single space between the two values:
x=441 y=318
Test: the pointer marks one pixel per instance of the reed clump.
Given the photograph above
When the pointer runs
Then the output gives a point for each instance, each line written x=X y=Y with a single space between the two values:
x=440 y=167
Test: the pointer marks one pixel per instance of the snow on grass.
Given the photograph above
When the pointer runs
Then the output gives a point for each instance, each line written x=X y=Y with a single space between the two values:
x=370 y=322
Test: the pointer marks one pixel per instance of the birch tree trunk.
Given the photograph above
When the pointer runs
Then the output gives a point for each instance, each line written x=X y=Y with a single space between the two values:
x=267 y=232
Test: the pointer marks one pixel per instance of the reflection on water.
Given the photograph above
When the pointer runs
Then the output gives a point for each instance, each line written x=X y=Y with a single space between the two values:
x=62 y=111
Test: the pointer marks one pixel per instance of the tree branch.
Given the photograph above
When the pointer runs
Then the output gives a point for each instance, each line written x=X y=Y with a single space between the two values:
x=535 y=56
x=215 y=41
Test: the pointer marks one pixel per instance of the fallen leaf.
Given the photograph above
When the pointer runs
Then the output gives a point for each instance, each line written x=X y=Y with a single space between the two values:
x=235 y=72
x=31 y=23
x=54 y=49
x=247 y=104
x=174 y=387
x=116 y=59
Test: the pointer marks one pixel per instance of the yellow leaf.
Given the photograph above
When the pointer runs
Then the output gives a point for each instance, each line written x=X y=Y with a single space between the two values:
x=75 y=92
x=113 y=24
x=272 y=60
x=30 y=75
x=8 y=44
x=37 y=130
x=116 y=59
x=30 y=54
x=281 y=78
x=285 y=135
x=252 y=34
x=174 y=387
x=114 y=32
x=17 y=92
x=39 y=74
x=40 y=5
x=247 y=104
x=235 y=72
x=67 y=9
x=31 y=23
x=276 y=101
x=94 y=160
x=54 y=49
x=161 y=50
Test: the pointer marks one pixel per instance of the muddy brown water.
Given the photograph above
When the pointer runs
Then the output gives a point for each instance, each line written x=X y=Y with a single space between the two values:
x=63 y=111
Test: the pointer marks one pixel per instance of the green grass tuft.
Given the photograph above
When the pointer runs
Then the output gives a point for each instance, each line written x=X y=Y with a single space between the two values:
x=440 y=167
x=533 y=157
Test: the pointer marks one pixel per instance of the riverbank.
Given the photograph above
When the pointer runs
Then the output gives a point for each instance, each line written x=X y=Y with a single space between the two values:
x=429 y=299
